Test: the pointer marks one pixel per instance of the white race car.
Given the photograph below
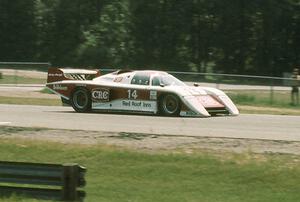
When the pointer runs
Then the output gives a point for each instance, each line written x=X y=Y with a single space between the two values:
x=151 y=92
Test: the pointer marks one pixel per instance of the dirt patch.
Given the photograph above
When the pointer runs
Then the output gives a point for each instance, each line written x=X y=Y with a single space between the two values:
x=152 y=142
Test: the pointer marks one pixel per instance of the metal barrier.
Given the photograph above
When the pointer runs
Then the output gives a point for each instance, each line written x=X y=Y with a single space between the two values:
x=25 y=65
x=17 y=66
x=218 y=78
x=43 y=181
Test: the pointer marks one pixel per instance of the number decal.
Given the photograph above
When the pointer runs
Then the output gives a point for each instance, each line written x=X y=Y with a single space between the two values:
x=132 y=94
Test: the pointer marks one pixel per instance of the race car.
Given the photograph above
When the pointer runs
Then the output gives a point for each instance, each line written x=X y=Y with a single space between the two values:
x=146 y=91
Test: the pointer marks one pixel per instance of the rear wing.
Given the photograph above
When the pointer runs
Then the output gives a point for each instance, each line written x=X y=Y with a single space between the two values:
x=58 y=74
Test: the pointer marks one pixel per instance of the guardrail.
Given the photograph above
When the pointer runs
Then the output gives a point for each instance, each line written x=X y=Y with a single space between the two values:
x=42 y=181
x=229 y=78
x=16 y=66
x=25 y=65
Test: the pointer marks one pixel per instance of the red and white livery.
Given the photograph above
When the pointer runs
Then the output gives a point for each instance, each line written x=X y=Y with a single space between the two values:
x=151 y=92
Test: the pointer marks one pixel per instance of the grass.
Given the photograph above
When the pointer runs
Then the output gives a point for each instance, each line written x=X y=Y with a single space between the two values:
x=7 y=79
x=262 y=98
x=116 y=174
x=30 y=101
x=260 y=102
x=46 y=91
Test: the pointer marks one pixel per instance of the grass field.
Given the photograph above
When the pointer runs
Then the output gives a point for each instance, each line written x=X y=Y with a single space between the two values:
x=116 y=174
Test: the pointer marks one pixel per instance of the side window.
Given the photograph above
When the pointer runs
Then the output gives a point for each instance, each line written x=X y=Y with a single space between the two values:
x=155 y=81
x=140 y=79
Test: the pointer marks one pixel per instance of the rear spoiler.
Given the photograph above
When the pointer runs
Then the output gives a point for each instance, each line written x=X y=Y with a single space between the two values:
x=58 y=74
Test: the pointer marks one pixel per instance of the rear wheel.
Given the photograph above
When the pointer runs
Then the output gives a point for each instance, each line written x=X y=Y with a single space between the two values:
x=81 y=100
x=170 y=105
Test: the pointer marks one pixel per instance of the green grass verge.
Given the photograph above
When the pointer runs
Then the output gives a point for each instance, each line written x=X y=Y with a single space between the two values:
x=30 y=101
x=46 y=91
x=7 y=79
x=262 y=98
x=123 y=175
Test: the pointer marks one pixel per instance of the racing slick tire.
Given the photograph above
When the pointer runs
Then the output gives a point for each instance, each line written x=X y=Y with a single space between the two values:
x=170 y=105
x=81 y=100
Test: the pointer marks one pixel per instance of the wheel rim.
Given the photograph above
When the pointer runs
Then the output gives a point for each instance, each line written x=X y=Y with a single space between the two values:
x=80 y=99
x=170 y=104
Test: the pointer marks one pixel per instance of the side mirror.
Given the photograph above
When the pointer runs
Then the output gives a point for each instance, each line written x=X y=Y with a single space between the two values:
x=196 y=84
x=162 y=85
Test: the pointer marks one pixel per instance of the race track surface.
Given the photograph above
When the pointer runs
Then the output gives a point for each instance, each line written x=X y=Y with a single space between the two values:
x=270 y=127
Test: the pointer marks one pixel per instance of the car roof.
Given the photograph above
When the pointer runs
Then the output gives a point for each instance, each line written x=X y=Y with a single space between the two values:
x=127 y=75
x=147 y=72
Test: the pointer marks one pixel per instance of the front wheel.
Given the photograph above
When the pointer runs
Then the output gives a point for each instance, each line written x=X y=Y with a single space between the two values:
x=81 y=100
x=170 y=105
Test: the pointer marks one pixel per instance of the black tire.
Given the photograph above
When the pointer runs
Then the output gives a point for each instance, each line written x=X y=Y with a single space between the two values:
x=81 y=100
x=170 y=105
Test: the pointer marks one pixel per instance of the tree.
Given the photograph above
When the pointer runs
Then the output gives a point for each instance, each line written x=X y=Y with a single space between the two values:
x=235 y=36
x=108 y=42
x=18 y=34
x=45 y=22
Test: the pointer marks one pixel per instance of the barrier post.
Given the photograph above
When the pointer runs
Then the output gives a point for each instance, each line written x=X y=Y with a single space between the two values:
x=272 y=92
x=16 y=77
x=70 y=176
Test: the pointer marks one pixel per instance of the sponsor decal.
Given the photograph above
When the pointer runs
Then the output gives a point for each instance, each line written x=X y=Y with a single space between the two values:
x=59 y=87
x=100 y=95
x=127 y=105
x=153 y=95
x=188 y=113
x=118 y=79
x=133 y=104
x=81 y=85
x=55 y=75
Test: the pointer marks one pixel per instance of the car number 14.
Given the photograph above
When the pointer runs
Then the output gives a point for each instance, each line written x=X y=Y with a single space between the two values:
x=132 y=94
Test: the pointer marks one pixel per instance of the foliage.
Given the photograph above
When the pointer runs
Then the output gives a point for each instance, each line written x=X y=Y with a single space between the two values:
x=18 y=30
x=235 y=36
x=108 y=41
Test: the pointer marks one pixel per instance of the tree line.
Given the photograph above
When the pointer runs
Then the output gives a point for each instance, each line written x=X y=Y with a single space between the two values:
x=233 y=36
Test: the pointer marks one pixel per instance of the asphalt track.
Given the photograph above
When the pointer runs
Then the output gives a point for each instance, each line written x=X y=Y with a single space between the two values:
x=270 y=127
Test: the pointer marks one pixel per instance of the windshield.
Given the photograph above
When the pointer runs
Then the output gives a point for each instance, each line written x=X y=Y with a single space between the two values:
x=167 y=80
